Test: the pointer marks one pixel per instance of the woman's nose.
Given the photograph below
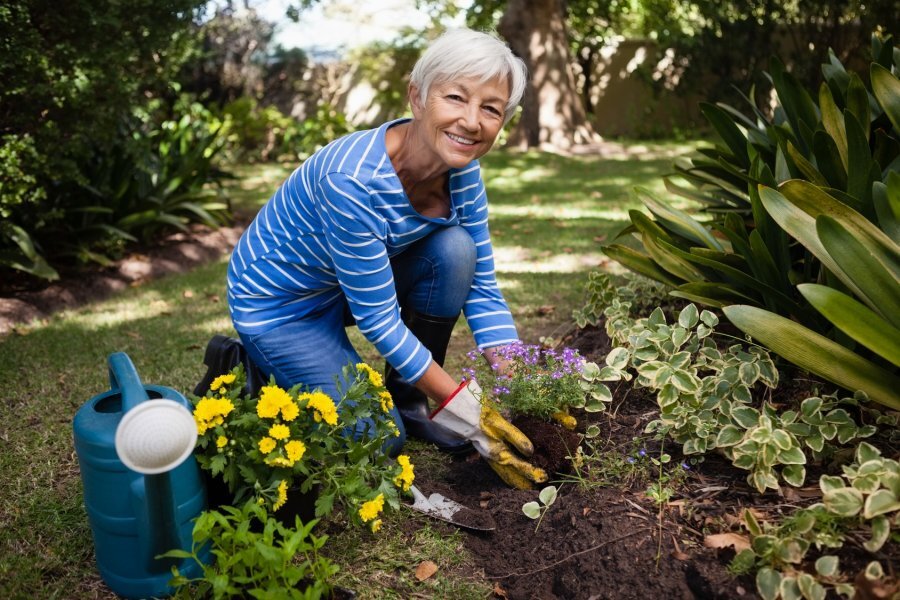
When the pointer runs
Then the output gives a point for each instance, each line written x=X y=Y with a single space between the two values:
x=469 y=117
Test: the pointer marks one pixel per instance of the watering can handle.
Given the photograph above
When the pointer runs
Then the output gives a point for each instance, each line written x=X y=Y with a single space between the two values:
x=124 y=378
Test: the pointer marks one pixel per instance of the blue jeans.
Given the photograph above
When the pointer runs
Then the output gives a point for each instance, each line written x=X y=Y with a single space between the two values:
x=433 y=277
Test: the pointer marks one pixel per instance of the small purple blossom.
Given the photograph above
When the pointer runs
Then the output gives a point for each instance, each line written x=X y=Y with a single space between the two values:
x=630 y=460
x=642 y=452
x=685 y=466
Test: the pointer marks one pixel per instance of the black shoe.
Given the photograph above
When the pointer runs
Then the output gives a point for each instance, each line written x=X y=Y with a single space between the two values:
x=434 y=333
x=223 y=354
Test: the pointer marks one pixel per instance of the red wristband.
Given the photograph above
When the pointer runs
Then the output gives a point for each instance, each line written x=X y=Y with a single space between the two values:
x=464 y=383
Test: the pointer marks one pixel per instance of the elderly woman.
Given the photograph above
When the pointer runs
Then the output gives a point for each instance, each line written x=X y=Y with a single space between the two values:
x=387 y=229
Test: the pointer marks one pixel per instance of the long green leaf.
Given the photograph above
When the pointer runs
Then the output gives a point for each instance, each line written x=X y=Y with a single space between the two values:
x=798 y=106
x=728 y=131
x=817 y=354
x=679 y=221
x=808 y=169
x=859 y=170
x=833 y=121
x=886 y=88
x=855 y=319
x=665 y=255
x=880 y=288
x=639 y=263
x=828 y=159
x=858 y=102
x=815 y=202
x=886 y=199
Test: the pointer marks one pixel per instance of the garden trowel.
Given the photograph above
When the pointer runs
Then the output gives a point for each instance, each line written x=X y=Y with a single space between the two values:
x=442 y=508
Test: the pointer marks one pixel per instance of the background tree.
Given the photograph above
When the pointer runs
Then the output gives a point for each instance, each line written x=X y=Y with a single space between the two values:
x=72 y=76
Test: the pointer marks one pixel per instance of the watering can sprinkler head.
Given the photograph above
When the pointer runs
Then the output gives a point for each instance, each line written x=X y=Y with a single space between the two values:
x=155 y=436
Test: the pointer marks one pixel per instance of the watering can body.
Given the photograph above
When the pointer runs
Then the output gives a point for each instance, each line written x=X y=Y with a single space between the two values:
x=134 y=517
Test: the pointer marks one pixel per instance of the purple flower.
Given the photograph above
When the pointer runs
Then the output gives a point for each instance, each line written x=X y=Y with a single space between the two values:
x=642 y=452
x=685 y=466
x=629 y=460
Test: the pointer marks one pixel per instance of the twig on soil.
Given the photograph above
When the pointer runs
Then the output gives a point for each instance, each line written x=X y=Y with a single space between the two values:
x=562 y=560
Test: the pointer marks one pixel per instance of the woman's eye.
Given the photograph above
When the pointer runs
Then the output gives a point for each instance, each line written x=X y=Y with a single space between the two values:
x=493 y=110
x=454 y=97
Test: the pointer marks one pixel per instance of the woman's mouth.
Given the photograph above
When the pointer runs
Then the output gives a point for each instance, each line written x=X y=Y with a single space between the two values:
x=460 y=140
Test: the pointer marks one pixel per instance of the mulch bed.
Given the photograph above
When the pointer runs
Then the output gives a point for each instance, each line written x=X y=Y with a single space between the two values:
x=610 y=540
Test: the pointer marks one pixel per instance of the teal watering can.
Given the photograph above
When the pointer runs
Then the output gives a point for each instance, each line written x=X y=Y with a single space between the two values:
x=142 y=486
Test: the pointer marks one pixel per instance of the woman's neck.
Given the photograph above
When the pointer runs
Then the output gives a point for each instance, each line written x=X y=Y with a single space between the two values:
x=424 y=180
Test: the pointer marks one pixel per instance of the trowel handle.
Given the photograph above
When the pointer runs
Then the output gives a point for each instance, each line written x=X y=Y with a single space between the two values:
x=123 y=377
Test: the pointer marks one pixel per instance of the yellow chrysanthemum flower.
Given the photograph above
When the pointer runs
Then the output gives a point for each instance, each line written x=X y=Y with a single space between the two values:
x=376 y=525
x=271 y=399
x=266 y=445
x=221 y=380
x=221 y=441
x=323 y=407
x=387 y=403
x=282 y=495
x=279 y=431
x=373 y=375
x=290 y=411
x=279 y=461
x=369 y=510
x=405 y=478
x=295 y=450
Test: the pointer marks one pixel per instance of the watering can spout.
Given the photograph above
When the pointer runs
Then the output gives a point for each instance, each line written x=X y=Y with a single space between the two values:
x=136 y=441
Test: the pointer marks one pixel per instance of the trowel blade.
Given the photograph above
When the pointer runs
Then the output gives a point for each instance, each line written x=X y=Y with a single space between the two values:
x=443 y=508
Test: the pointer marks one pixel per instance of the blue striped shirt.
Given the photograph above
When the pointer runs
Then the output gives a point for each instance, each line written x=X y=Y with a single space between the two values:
x=329 y=232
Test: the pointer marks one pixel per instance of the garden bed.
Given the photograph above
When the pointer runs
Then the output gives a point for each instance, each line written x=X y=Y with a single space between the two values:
x=607 y=537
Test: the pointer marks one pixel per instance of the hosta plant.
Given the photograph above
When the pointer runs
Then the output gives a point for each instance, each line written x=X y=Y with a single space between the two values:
x=706 y=396
x=264 y=446
x=865 y=497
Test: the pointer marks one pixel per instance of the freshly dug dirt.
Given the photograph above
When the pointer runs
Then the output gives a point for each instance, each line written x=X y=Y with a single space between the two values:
x=607 y=539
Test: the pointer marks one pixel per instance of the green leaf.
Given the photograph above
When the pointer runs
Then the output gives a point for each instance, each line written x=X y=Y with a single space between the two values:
x=881 y=530
x=746 y=416
x=728 y=131
x=858 y=102
x=866 y=452
x=794 y=475
x=548 y=495
x=886 y=89
x=880 y=503
x=833 y=121
x=768 y=583
x=855 y=319
x=816 y=353
x=810 y=588
x=792 y=456
x=827 y=565
x=639 y=263
x=873 y=277
x=874 y=571
x=729 y=436
x=808 y=169
x=844 y=502
x=688 y=316
x=886 y=201
x=680 y=222
x=828 y=160
x=532 y=510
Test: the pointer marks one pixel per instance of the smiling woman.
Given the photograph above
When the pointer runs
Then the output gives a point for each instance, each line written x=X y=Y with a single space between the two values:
x=387 y=229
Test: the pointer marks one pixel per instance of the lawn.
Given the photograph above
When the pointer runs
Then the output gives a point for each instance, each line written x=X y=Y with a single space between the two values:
x=549 y=216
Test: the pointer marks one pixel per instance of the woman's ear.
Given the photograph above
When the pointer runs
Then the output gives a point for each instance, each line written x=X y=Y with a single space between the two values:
x=415 y=101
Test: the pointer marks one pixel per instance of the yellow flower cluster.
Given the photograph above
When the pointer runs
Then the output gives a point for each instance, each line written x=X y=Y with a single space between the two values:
x=211 y=412
x=371 y=509
x=282 y=495
x=387 y=403
x=266 y=445
x=220 y=381
x=374 y=376
x=295 y=449
x=375 y=525
x=406 y=477
x=272 y=400
x=221 y=441
x=323 y=407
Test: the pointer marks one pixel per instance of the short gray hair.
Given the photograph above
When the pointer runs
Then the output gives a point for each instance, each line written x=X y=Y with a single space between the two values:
x=468 y=53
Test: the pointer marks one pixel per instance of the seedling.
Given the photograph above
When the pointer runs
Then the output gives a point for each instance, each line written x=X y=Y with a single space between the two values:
x=535 y=510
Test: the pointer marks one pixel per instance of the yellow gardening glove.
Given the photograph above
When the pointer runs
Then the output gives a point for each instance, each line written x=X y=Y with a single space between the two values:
x=565 y=419
x=491 y=435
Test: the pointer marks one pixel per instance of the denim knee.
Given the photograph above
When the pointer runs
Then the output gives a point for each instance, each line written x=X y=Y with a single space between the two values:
x=455 y=254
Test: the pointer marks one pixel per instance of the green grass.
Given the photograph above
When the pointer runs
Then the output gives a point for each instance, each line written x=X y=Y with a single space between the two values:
x=549 y=216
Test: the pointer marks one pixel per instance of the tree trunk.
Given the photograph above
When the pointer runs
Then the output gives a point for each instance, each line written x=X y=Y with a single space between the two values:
x=553 y=117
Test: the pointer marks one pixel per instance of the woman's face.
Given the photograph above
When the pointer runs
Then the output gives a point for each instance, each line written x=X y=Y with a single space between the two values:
x=461 y=118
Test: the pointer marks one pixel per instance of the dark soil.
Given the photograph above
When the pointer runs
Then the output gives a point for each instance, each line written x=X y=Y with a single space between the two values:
x=608 y=539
